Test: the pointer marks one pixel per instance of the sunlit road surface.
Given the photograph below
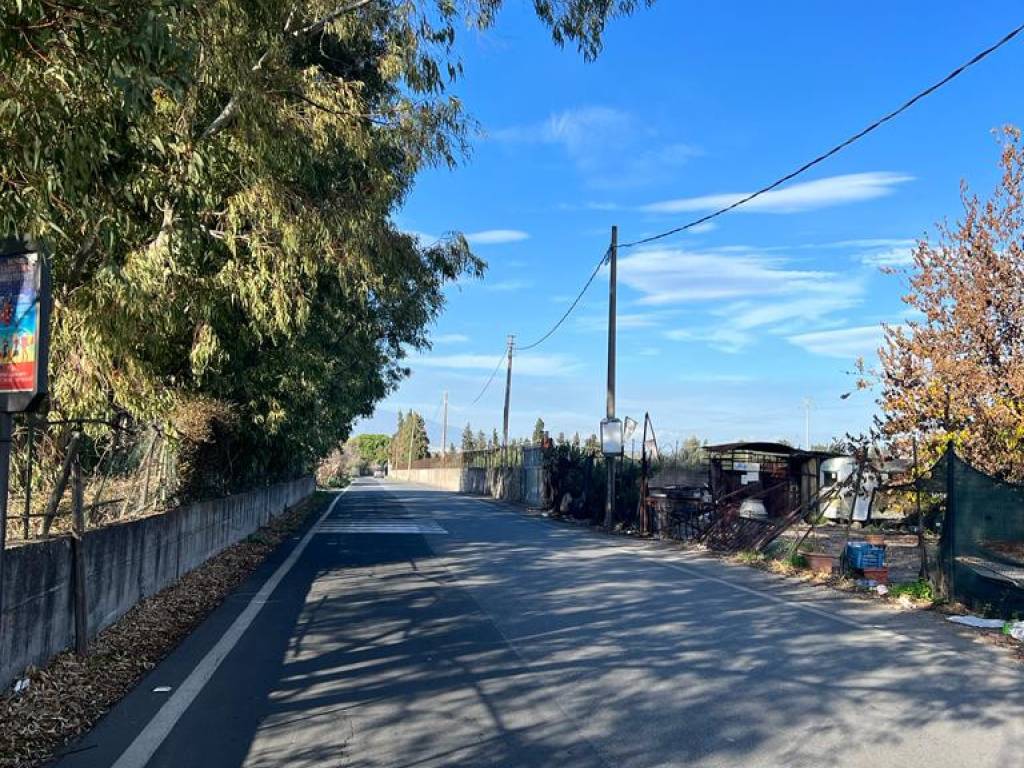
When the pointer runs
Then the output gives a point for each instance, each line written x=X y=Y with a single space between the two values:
x=412 y=628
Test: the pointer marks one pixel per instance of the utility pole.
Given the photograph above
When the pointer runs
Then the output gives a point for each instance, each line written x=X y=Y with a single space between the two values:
x=508 y=394
x=444 y=429
x=808 y=404
x=609 y=504
x=642 y=510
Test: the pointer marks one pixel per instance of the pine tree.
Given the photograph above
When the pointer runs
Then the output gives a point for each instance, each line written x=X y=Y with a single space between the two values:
x=411 y=436
x=468 y=441
x=538 y=431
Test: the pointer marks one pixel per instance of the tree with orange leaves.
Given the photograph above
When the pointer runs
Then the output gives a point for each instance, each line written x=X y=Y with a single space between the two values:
x=955 y=371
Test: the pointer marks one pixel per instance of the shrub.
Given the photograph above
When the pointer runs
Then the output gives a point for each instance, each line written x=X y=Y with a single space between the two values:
x=917 y=590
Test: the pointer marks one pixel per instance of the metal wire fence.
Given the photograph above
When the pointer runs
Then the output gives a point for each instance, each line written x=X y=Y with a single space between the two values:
x=125 y=471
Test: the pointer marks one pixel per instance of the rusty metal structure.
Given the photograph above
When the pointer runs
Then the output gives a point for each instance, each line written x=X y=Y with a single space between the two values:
x=755 y=491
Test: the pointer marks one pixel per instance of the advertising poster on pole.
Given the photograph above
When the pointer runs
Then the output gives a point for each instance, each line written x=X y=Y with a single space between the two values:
x=19 y=324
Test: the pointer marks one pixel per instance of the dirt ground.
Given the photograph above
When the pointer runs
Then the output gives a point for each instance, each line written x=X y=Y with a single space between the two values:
x=902 y=555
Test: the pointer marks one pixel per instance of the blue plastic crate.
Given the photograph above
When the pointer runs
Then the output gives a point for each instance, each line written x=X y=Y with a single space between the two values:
x=862 y=555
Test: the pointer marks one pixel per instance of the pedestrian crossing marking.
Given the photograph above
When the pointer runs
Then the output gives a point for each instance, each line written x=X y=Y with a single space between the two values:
x=380 y=525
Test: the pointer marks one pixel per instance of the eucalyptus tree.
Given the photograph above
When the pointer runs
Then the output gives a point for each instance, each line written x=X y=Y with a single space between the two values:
x=217 y=180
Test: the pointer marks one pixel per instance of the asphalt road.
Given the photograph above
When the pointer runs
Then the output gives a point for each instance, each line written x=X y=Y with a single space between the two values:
x=412 y=628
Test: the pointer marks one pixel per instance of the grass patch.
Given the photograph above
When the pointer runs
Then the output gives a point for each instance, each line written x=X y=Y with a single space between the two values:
x=915 y=590
x=796 y=560
x=749 y=557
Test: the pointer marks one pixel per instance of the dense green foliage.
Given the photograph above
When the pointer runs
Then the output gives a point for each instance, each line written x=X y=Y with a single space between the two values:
x=216 y=179
x=373 y=449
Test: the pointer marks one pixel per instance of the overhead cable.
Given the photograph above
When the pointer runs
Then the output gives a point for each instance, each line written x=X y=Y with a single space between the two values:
x=564 y=317
x=493 y=374
x=838 y=147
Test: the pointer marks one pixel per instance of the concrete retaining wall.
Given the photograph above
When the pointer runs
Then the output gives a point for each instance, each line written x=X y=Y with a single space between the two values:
x=124 y=563
x=523 y=484
x=444 y=478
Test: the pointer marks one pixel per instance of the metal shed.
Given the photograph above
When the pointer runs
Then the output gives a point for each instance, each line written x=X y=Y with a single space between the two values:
x=782 y=476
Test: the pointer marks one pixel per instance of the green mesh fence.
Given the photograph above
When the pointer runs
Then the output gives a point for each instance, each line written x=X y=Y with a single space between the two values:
x=981 y=552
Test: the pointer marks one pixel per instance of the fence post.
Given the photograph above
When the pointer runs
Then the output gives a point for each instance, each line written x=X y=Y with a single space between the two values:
x=78 y=559
x=27 y=511
x=5 y=465
x=949 y=525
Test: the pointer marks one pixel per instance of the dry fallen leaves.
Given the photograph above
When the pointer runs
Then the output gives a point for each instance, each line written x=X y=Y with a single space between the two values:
x=67 y=696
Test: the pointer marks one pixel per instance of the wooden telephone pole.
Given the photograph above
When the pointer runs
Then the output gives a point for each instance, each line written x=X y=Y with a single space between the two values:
x=444 y=429
x=508 y=395
x=609 y=504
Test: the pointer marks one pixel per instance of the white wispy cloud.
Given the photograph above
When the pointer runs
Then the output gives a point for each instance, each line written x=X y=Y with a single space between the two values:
x=424 y=238
x=873 y=242
x=699 y=229
x=525 y=364
x=507 y=286
x=671 y=276
x=497 y=236
x=609 y=147
x=743 y=293
x=893 y=253
x=795 y=198
x=847 y=343
x=450 y=338
x=623 y=321
x=484 y=237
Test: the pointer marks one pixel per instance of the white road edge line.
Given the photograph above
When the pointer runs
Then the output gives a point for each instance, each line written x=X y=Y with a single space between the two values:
x=145 y=745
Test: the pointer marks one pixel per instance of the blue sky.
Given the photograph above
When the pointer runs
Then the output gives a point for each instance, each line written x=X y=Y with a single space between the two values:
x=723 y=331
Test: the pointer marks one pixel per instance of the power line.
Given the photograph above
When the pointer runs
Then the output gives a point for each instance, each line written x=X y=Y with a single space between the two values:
x=838 y=147
x=768 y=188
x=572 y=306
x=546 y=336
x=493 y=374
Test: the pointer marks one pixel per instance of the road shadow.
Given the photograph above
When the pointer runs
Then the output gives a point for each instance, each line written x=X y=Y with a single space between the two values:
x=514 y=642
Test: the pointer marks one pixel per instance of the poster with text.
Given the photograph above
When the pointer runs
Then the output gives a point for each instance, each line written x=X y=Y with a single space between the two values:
x=19 y=323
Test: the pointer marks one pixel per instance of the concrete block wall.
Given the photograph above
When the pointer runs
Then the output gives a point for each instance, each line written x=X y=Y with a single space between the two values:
x=519 y=484
x=124 y=562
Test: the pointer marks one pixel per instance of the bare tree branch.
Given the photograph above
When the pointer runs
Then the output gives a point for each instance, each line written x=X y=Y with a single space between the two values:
x=230 y=111
x=331 y=110
x=341 y=10
x=231 y=108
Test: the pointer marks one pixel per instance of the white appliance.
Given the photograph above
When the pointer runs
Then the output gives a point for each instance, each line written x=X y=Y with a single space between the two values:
x=841 y=473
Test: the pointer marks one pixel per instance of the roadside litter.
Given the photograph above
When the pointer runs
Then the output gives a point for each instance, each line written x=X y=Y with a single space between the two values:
x=1014 y=629
x=977 y=621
